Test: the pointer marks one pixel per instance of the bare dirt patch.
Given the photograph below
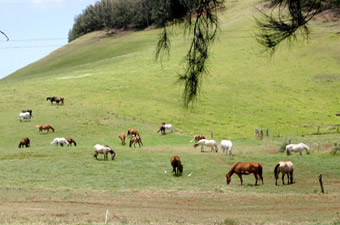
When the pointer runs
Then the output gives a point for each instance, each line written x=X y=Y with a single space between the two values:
x=165 y=207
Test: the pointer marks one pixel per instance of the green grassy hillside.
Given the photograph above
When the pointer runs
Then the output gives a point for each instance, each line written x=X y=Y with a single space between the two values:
x=111 y=83
x=291 y=93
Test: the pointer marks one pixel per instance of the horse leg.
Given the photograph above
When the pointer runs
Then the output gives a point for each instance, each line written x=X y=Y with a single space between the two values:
x=255 y=175
x=283 y=178
x=202 y=150
x=240 y=176
x=300 y=152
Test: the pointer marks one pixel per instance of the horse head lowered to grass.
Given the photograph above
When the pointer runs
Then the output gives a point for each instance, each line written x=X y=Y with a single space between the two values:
x=246 y=168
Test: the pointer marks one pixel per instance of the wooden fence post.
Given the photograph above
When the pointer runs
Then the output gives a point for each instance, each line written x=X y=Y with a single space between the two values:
x=321 y=185
x=318 y=129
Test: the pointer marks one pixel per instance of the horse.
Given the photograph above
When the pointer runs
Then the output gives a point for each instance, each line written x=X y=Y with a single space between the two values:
x=45 y=127
x=60 y=141
x=122 y=138
x=162 y=130
x=297 y=148
x=226 y=146
x=168 y=127
x=24 y=142
x=208 y=143
x=71 y=140
x=198 y=137
x=132 y=131
x=247 y=168
x=103 y=149
x=25 y=115
x=285 y=167
x=134 y=140
x=27 y=110
x=176 y=164
x=56 y=99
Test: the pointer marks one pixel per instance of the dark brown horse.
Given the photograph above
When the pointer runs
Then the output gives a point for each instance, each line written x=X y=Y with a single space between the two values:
x=45 y=127
x=162 y=129
x=247 y=168
x=122 y=138
x=70 y=140
x=24 y=142
x=56 y=99
x=135 y=140
x=176 y=164
x=132 y=131
x=198 y=137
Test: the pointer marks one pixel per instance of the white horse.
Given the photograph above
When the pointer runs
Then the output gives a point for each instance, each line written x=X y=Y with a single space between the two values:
x=226 y=146
x=25 y=115
x=297 y=148
x=208 y=143
x=168 y=127
x=285 y=167
x=103 y=149
x=60 y=141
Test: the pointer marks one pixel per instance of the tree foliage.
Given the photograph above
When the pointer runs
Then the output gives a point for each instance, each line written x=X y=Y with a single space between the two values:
x=4 y=35
x=286 y=19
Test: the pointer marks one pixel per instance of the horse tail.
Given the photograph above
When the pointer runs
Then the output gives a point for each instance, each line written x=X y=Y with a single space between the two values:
x=195 y=145
x=260 y=169
x=276 y=170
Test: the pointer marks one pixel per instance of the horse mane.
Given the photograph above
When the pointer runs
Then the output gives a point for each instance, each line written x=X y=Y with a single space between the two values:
x=232 y=168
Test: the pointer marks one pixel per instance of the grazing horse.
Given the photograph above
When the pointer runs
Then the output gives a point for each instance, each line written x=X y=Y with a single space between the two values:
x=176 y=164
x=60 y=141
x=198 y=137
x=122 y=138
x=28 y=110
x=134 y=140
x=132 y=131
x=297 y=148
x=25 y=115
x=285 y=167
x=162 y=129
x=247 y=168
x=103 y=149
x=226 y=146
x=56 y=99
x=45 y=127
x=208 y=143
x=24 y=142
x=71 y=140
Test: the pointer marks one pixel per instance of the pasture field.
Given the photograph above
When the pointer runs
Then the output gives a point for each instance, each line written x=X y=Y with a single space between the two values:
x=112 y=83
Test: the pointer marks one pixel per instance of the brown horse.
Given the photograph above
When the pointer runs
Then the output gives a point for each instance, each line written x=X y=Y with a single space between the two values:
x=176 y=164
x=198 y=137
x=56 y=99
x=70 y=140
x=45 y=127
x=245 y=169
x=132 y=131
x=122 y=138
x=134 y=140
x=24 y=142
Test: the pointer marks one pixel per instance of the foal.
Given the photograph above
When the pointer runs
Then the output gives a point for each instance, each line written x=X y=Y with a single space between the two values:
x=122 y=138
x=134 y=140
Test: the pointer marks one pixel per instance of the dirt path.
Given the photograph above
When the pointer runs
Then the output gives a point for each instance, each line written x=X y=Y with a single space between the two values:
x=167 y=207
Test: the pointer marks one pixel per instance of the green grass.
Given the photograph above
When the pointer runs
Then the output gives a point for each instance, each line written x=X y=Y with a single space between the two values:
x=113 y=83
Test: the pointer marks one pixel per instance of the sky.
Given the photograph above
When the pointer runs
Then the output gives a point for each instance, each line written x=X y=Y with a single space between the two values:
x=35 y=28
